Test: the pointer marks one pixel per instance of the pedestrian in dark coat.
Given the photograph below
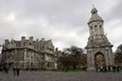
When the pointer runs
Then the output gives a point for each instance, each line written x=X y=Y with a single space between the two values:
x=18 y=71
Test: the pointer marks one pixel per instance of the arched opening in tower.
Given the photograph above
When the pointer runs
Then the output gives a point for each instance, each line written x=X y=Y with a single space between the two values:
x=99 y=60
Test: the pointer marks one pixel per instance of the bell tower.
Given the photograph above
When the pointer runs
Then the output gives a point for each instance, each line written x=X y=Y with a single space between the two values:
x=99 y=49
x=95 y=23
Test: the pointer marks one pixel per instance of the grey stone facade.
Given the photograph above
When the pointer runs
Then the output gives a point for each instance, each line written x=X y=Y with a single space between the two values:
x=99 y=49
x=29 y=53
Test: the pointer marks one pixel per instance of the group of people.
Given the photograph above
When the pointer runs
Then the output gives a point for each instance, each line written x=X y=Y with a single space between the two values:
x=108 y=69
x=16 y=71
x=6 y=68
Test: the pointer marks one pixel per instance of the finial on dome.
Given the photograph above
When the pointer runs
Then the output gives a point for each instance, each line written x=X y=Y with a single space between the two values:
x=94 y=10
x=93 y=5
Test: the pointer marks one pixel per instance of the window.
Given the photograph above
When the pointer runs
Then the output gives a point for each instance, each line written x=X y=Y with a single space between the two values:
x=95 y=26
x=100 y=26
x=24 y=43
x=91 y=27
x=30 y=44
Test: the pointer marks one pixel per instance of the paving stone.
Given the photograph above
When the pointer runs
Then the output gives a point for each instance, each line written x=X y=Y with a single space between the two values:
x=61 y=76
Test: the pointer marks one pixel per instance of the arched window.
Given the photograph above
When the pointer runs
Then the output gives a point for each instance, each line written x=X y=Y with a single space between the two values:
x=95 y=26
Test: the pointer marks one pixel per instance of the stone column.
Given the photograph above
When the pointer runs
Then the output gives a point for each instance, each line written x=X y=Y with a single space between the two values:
x=106 y=55
x=25 y=54
x=90 y=61
x=111 y=57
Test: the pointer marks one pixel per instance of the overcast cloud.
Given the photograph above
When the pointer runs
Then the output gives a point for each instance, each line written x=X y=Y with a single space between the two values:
x=63 y=21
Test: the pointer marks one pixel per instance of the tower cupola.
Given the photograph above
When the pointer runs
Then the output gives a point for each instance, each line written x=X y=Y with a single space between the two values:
x=95 y=23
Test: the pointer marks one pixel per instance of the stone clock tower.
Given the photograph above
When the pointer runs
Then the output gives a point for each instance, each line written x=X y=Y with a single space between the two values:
x=99 y=49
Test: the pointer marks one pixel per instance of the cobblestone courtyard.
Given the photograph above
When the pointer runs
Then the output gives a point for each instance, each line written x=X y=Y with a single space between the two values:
x=61 y=76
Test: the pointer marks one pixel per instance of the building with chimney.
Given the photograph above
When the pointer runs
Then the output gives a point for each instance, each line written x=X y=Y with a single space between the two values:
x=29 y=54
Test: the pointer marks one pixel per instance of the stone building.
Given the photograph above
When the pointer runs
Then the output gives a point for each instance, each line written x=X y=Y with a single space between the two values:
x=29 y=54
x=99 y=49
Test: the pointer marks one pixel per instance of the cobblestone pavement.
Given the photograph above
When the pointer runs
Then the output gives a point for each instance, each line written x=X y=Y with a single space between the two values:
x=61 y=76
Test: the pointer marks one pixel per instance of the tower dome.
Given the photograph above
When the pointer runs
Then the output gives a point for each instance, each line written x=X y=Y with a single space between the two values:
x=95 y=16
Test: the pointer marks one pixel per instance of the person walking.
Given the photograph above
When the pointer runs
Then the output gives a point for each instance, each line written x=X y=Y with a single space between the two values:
x=17 y=71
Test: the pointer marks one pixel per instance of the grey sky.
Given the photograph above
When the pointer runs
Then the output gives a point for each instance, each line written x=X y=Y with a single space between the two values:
x=63 y=21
